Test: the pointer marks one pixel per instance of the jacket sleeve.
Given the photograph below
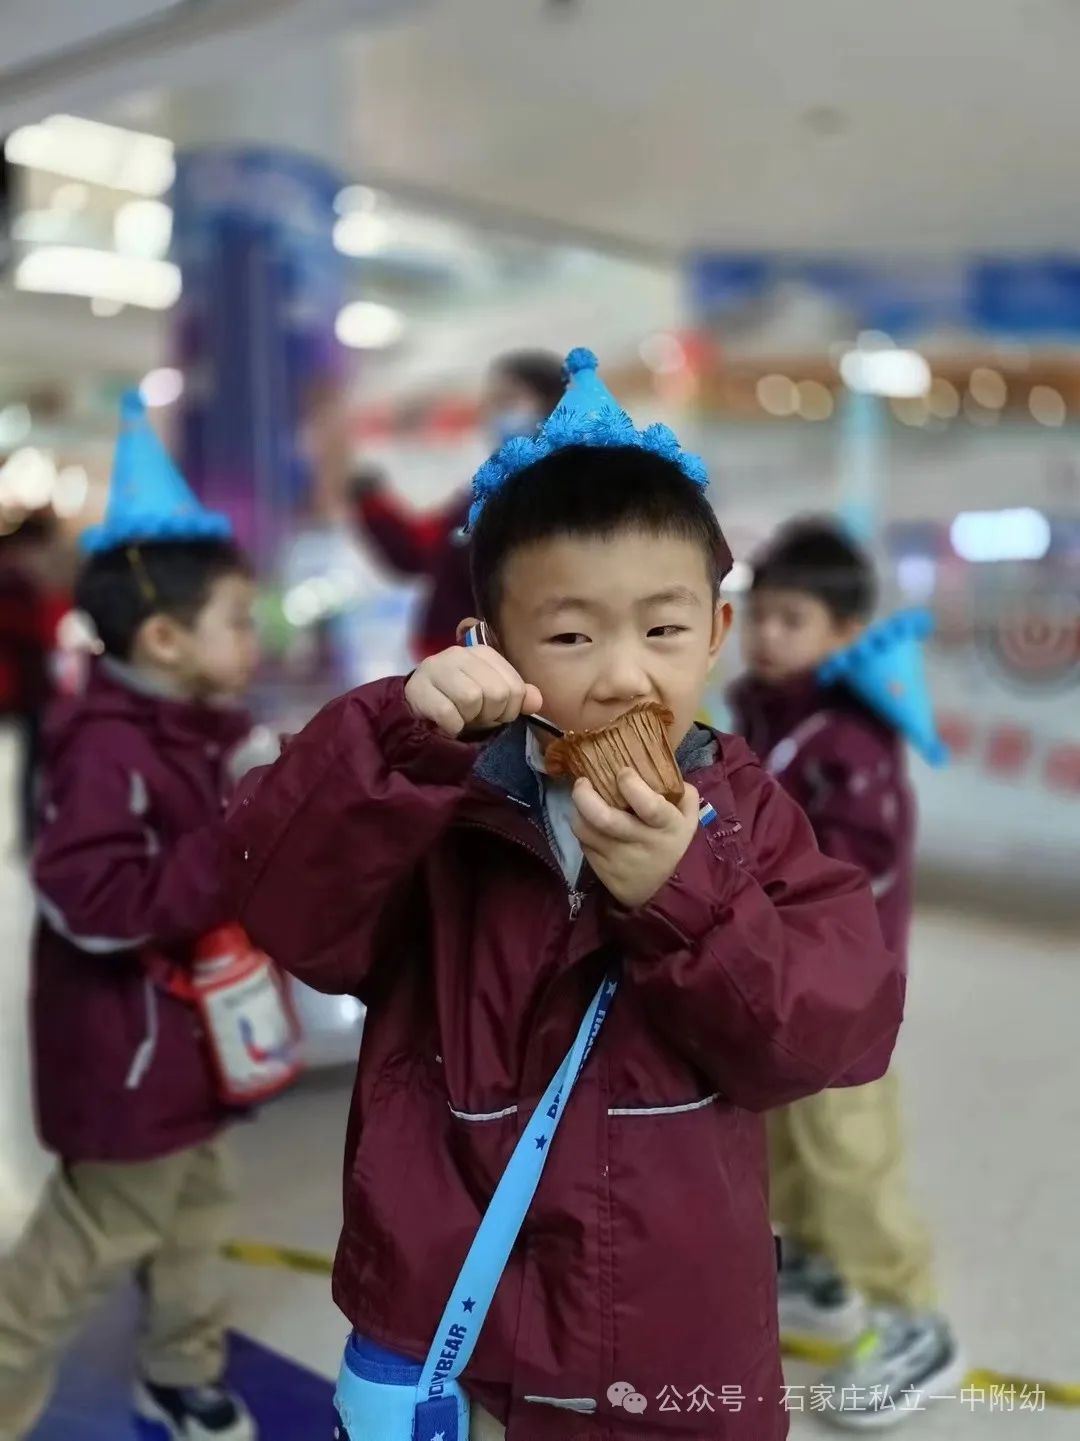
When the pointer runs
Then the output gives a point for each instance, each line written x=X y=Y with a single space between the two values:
x=103 y=878
x=770 y=976
x=408 y=543
x=324 y=842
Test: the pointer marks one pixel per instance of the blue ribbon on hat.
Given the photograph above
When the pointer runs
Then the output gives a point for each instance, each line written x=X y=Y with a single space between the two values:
x=588 y=414
x=149 y=500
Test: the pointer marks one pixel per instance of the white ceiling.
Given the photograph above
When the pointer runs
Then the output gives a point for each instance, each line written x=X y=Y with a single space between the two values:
x=37 y=31
x=904 y=124
x=649 y=125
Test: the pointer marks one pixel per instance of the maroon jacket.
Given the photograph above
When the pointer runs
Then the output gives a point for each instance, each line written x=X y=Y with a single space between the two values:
x=24 y=648
x=425 y=545
x=383 y=860
x=129 y=861
x=848 y=771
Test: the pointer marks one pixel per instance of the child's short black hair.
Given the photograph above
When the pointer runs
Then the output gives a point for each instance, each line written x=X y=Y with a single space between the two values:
x=814 y=555
x=121 y=589
x=592 y=491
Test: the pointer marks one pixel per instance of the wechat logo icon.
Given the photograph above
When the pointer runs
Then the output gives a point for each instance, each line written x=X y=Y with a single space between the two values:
x=624 y=1397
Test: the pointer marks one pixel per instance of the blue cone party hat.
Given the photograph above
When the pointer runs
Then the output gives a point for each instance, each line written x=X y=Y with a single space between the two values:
x=588 y=414
x=885 y=669
x=149 y=500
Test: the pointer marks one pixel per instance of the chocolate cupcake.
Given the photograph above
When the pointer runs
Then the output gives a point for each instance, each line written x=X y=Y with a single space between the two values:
x=637 y=741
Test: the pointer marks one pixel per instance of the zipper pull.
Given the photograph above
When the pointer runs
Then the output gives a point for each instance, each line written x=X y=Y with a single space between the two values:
x=576 y=898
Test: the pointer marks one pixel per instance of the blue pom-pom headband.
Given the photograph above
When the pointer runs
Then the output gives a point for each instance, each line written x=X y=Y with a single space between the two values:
x=588 y=414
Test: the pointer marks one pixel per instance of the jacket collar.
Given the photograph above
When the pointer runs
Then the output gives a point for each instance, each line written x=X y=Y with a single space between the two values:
x=766 y=713
x=120 y=692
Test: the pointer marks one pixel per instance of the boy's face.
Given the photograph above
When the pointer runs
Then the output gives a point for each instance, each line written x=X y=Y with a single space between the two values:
x=214 y=658
x=600 y=624
x=788 y=633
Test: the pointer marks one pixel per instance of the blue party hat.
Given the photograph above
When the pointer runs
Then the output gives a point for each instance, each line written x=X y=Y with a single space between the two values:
x=149 y=500
x=588 y=414
x=885 y=669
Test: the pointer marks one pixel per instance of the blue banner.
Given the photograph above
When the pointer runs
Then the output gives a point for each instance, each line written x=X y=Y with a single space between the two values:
x=1008 y=297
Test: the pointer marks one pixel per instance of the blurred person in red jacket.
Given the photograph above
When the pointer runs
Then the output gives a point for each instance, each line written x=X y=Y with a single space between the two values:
x=30 y=607
x=838 y=1169
x=413 y=848
x=128 y=872
x=522 y=389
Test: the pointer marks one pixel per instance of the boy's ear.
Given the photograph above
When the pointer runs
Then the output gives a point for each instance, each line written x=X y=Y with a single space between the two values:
x=159 y=639
x=721 y=625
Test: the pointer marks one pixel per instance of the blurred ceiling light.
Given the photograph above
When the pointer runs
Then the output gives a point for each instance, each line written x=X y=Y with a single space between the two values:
x=916 y=576
x=126 y=279
x=105 y=309
x=101 y=154
x=777 y=394
x=815 y=400
x=70 y=196
x=899 y=374
x=663 y=353
x=990 y=535
x=739 y=578
x=1047 y=405
x=143 y=228
x=162 y=387
x=910 y=410
x=360 y=233
x=366 y=325
x=988 y=387
x=355 y=197
x=15 y=424
x=944 y=399
x=71 y=490
x=27 y=479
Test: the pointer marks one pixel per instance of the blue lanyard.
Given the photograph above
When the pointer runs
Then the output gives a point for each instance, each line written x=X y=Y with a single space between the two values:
x=474 y=1291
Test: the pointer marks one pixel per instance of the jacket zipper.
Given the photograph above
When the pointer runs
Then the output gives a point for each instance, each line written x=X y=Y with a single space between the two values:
x=575 y=897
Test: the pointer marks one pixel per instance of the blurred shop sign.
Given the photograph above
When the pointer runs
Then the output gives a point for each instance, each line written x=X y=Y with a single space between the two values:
x=1029 y=296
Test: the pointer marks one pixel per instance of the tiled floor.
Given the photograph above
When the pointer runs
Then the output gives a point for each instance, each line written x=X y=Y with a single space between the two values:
x=991 y=1062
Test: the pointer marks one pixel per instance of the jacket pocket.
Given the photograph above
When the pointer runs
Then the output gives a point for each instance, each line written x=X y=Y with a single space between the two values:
x=690 y=1232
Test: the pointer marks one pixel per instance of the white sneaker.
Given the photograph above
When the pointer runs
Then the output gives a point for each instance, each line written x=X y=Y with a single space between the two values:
x=903 y=1364
x=816 y=1303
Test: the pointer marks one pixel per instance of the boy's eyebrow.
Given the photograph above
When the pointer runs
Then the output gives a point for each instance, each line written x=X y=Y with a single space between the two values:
x=674 y=595
x=557 y=603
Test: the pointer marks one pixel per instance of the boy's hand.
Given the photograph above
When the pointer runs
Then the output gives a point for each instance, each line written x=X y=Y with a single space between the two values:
x=469 y=688
x=634 y=852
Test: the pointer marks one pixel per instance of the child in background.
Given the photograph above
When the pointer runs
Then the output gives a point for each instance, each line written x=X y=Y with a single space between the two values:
x=411 y=848
x=839 y=1184
x=129 y=864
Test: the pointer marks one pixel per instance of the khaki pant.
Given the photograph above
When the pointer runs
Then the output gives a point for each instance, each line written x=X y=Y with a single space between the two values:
x=839 y=1188
x=163 y=1220
x=484 y=1427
